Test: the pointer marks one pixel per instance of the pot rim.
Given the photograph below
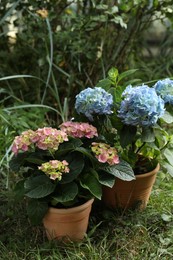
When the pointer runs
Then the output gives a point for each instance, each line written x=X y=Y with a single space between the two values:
x=145 y=175
x=73 y=209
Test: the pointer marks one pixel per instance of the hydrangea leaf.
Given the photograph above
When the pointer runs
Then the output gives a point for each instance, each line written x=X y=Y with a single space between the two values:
x=123 y=171
x=147 y=135
x=105 y=84
x=36 y=210
x=39 y=187
x=106 y=179
x=66 y=192
x=91 y=183
x=76 y=165
x=126 y=74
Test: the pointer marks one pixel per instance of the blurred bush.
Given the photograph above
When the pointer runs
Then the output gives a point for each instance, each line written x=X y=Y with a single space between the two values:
x=69 y=45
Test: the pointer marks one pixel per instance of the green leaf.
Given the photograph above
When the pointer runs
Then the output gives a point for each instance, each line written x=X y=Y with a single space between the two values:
x=132 y=81
x=66 y=147
x=87 y=153
x=36 y=210
x=105 y=84
x=126 y=74
x=127 y=135
x=123 y=171
x=147 y=135
x=168 y=153
x=90 y=182
x=167 y=117
x=168 y=167
x=113 y=74
x=66 y=192
x=19 y=190
x=39 y=187
x=106 y=179
x=17 y=161
x=76 y=165
x=34 y=160
x=117 y=93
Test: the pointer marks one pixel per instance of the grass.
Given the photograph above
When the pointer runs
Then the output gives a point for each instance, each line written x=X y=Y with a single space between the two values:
x=111 y=235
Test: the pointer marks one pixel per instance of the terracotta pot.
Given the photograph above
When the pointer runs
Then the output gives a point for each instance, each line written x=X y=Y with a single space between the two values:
x=130 y=194
x=67 y=224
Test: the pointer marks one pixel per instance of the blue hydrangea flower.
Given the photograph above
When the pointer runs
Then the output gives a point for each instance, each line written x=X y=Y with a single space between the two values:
x=164 y=88
x=94 y=101
x=141 y=106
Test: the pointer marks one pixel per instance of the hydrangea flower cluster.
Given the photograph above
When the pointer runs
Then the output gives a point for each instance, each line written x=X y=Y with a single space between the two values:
x=77 y=129
x=94 y=101
x=23 y=141
x=49 y=138
x=54 y=169
x=141 y=106
x=164 y=88
x=105 y=153
x=46 y=138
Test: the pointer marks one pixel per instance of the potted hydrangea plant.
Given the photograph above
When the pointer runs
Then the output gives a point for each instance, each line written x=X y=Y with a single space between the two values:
x=135 y=120
x=61 y=171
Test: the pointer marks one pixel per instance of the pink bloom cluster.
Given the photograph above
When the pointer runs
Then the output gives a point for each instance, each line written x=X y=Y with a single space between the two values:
x=105 y=153
x=78 y=129
x=54 y=169
x=23 y=141
x=49 y=138
x=46 y=138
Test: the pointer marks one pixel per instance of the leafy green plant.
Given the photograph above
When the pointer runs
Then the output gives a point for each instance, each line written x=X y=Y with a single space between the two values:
x=59 y=168
x=134 y=119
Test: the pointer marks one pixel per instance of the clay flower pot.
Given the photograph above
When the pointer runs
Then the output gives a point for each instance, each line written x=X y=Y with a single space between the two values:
x=67 y=224
x=130 y=194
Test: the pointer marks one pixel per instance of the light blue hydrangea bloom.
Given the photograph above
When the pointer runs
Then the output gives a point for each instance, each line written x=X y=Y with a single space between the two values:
x=94 y=101
x=164 y=88
x=141 y=106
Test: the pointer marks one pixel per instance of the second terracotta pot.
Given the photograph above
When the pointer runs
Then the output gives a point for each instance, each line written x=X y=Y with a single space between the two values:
x=130 y=194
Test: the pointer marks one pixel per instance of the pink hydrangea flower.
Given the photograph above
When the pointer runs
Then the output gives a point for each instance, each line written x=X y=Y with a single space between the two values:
x=105 y=153
x=50 y=138
x=46 y=138
x=54 y=169
x=79 y=129
x=23 y=141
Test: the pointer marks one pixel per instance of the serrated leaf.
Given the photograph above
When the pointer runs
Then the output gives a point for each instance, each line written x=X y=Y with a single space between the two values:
x=123 y=171
x=105 y=84
x=106 y=179
x=39 y=187
x=66 y=192
x=36 y=210
x=91 y=183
